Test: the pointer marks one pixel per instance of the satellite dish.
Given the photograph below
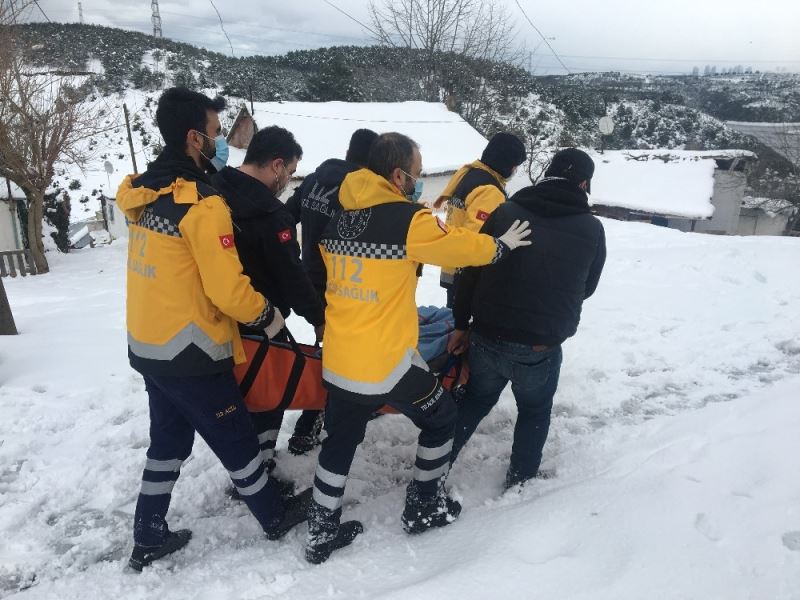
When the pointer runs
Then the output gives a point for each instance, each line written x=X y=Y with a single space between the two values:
x=606 y=125
x=109 y=167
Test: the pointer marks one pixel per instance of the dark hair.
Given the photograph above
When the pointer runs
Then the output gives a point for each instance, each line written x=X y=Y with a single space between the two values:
x=271 y=143
x=181 y=110
x=390 y=151
x=572 y=164
x=360 y=142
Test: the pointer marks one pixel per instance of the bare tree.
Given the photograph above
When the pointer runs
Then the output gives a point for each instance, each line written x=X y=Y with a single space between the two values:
x=477 y=29
x=7 y=326
x=781 y=191
x=43 y=122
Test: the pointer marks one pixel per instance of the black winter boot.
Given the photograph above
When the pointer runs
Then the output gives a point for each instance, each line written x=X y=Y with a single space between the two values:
x=296 y=511
x=325 y=534
x=421 y=514
x=306 y=433
x=514 y=478
x=143 y=556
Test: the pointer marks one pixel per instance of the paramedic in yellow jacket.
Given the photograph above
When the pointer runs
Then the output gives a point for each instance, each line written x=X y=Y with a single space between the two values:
x=477 y=189
x=186 y=291
x=372 y=250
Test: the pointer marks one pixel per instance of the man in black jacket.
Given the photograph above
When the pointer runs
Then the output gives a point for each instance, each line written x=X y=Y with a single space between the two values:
x=523 y=309
x=266 y=239
x=312 y=205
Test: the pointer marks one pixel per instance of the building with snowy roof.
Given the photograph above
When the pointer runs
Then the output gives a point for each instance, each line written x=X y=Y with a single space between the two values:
x=766 y=216
x=323 y=129
x=683 y=189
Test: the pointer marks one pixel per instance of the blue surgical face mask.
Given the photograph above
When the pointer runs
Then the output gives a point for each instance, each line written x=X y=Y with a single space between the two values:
x=417 y=193
x=220 y=158
x=221 y=151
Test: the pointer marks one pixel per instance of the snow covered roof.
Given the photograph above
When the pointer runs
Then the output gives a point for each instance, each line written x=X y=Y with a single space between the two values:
x=668 y=182
x=772 y=206
x=323 y=129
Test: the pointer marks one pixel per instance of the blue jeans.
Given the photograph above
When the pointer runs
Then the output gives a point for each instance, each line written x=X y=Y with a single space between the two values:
x=534 y=379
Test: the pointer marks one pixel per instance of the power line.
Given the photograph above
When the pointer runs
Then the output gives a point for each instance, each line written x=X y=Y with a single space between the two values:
x=351 y=17
x=688 y=60
x=222 y=26
x=541 y=35
x=326 y=118
x=36 y=2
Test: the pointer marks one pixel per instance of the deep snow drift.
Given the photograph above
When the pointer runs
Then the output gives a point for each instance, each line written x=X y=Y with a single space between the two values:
x=674 y=438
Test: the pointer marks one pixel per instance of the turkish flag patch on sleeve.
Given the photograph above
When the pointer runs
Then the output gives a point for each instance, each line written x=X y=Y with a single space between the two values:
x=482 y=215
x=226 y=240
x=285 y=236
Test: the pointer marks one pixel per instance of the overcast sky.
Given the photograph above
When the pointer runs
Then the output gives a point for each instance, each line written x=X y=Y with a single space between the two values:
x=652 y=36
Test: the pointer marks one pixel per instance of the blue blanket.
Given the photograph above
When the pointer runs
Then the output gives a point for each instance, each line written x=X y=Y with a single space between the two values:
x=435 y=325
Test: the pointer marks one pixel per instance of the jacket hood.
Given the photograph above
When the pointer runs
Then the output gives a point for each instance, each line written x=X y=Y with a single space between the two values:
x=246 y=196
x=332 y=171
x=171 y=173
x=553 y=197
x=365 y=189
x=459 y=175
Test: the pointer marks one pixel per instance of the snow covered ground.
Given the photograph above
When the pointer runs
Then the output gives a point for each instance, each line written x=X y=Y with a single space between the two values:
x=674 y=439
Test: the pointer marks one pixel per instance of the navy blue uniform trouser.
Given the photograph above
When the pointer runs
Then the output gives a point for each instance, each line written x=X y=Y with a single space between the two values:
x=418 y=395
x=212 y=406
x=534 y=380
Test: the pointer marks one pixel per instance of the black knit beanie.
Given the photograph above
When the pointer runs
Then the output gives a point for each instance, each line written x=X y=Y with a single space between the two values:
x=572 y=164
x=360 y=141
x=504 y=152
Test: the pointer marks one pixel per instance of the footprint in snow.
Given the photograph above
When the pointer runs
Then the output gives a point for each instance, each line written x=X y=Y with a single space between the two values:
x=791 y=539
x=704 y=526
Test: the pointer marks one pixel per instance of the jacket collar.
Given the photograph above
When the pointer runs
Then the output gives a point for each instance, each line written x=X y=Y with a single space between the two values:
x=553 y=197
x=365 y=189
x=246 y=196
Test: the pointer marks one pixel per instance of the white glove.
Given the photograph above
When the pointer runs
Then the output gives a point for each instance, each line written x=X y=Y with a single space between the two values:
x=275 y=325
x=516 y=234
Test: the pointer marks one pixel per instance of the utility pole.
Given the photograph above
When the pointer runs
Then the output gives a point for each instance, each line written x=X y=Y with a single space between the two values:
x=130 y=138
x=80 y=12
x=156 y=19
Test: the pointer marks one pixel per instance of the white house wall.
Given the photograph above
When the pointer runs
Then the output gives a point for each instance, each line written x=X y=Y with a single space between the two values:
x=9 y=228
x=727 y=200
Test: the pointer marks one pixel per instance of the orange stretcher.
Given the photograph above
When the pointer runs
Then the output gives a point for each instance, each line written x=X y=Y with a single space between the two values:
x=287 y=375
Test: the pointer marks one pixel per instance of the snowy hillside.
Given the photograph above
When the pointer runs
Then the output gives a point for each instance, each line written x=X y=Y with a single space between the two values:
x=674 y=439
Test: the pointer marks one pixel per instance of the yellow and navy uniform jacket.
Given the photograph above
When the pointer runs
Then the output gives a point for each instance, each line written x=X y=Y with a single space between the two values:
x=371 y=250
x=472 y=194
x=186 y=290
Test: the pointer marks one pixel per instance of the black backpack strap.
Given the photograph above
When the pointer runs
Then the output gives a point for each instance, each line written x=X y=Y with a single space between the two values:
x=294 y=375
x=255 y=367
x=472 y=179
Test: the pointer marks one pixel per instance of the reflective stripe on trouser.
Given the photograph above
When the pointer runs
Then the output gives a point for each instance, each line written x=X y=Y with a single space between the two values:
x=159 y=476
x=432 y=464
x=268 y=426
x=420 y=397
x=328 y=488
x=252 y=478
x=212 y=406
